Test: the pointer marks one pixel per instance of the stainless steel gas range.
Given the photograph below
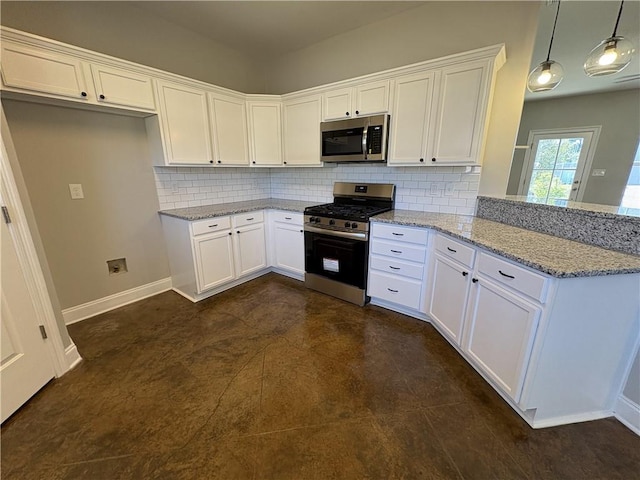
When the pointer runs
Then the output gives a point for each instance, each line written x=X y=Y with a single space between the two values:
x=336 y=238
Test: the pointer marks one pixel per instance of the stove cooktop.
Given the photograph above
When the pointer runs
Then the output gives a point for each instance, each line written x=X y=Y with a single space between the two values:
x=345 y=211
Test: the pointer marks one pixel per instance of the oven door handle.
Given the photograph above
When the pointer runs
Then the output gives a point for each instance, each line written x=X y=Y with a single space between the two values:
x=335 y=233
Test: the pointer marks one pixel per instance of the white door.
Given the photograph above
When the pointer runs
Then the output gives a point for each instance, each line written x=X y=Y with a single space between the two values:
x=336 y=104
x=499 y=335
x=265 y=133
x=557 y=164
x=121 y=87
x=251 y=252
x=229 y=129
x=410 y=129
x=214 y=259
x=302 y=131
x=185 y=124
x=460 y=113
x=25 y=365
x=372 y=98
x=289 y=247
x=449 y=292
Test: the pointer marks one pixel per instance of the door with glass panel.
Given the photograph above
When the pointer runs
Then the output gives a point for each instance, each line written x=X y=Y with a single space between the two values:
x=557 y=163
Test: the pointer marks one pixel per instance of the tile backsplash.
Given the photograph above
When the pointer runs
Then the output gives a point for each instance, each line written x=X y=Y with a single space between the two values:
x=428 y=189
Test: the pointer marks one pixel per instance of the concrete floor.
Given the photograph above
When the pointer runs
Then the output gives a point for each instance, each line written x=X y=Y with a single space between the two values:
x=273 y=381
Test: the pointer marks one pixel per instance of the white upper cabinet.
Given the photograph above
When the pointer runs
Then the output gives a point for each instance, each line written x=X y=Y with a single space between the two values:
x=460 y=113
x=411 y=120
x=439 y=117
x=229 y=130
x=364 y=99
x=265 y=133
x=302 y=131
x=185 y=124
x=122 y=87
x=42 y=71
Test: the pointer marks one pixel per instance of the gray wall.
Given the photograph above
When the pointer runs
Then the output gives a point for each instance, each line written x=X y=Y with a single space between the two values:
x=109 y=156
x=33 y=229
x=619 y=115
x=433 y=30
x=125 y=31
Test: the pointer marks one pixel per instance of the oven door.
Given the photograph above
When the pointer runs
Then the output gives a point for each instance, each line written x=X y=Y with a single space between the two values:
x=338 y=256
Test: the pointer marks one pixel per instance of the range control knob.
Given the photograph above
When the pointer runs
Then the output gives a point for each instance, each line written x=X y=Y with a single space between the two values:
x=332 y=222
x=354 y=225
x=317 y=220
x=347 y=224
x=312 y=219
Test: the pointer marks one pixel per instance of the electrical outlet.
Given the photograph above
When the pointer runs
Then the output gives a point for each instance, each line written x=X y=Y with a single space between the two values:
x=119 y=265
x=174 y=188
x=76 y=191
x=598 y=172
x=435 y=190
x=448 y=189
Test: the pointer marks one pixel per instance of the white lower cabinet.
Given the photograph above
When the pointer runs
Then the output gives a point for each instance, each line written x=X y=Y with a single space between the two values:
x=499 y=334
x=211 y=255
x=288 y=243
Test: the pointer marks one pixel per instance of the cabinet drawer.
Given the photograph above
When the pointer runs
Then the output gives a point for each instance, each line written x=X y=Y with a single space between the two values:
x=401 y=251
x=455 y=250
x=210 y=225
x=287 y=217
x=392 y=288
x=518 y=278
x=397 y=267
x=248 y=218
x=399 y=233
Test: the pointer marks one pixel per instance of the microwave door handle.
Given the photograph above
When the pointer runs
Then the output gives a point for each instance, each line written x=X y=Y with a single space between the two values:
x=364 y=140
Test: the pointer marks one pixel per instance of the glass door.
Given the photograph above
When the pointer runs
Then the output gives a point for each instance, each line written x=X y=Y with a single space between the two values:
x=555 y=166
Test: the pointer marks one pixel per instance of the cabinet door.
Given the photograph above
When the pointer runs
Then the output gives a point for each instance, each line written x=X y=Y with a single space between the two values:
x=448 y=296
x=302 y=131
x=289 y=247
x=372 y=98
x=337 y=104
x=265 y=134
x=461 y=113
x=121 y=87
x=42 y=71
x=250 y=249
x=229 y=130
x=185 y=124
x=213 y=259
x=499 y=335
x=410 y=129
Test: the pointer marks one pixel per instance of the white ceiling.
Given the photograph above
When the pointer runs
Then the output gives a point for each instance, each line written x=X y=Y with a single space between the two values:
x=581 y=26
x=270 y=29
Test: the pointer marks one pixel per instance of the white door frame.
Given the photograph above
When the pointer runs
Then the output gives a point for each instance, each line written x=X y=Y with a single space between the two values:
x=61 y=360
x=527 y=164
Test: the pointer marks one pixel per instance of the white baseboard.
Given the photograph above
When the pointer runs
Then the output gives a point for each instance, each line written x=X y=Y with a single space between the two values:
x=567 y=419
x=628 y=412
x=73 y=356
x=95 y=307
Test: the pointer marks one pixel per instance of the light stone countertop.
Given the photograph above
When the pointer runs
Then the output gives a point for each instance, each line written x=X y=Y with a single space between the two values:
x=548 y=254
x=222 y=209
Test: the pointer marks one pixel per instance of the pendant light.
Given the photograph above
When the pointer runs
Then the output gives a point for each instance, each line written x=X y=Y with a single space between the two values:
x=548 y=74
x=611 y=55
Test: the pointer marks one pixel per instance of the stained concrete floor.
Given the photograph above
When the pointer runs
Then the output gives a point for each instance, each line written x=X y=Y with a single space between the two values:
x=273 y=381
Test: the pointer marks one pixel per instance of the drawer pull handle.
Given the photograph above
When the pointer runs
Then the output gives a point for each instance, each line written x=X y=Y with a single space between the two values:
x=505 y=275
x=451 y=250
x=394 y=268
x=474 y=280
x=396 y=251
x=397 y=234
x=212 y=226
x=249 y=219
x=392 y=291
x=287 y=218
x=464 y=274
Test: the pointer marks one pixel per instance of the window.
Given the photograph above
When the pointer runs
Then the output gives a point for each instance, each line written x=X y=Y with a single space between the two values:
x=630 y=204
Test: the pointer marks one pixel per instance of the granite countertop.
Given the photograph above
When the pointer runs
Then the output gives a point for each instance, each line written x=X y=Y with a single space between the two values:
x=221 y=209
x=552 y=255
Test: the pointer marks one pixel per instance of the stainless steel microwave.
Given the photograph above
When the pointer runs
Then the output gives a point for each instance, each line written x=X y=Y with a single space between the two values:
x=362 y=139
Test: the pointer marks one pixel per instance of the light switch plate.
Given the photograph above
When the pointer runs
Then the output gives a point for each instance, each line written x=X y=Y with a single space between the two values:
x=598 y=172
x=76 y=191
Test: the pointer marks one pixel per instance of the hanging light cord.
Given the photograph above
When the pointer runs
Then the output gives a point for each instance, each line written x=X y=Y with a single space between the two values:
x=615 y=29
x=554 y=30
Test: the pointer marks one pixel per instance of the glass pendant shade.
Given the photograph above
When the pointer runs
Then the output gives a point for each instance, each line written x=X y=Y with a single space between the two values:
x=545 y=76
x=610 y=56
